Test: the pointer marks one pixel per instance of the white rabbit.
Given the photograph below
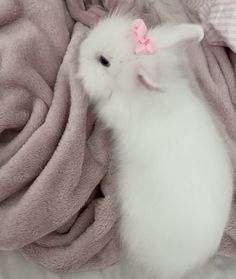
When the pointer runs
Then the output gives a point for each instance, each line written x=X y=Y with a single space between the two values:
x=174 y=177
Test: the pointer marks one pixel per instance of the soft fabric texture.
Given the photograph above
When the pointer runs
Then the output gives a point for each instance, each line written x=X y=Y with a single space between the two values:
x=14 y=266
x=57 y=196
x=52 y=154
x=218 y=18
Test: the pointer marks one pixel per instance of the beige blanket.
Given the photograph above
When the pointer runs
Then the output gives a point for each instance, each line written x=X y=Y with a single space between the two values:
x=57 y=197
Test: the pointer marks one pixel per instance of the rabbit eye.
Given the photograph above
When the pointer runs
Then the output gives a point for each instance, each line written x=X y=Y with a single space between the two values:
x=104 y=61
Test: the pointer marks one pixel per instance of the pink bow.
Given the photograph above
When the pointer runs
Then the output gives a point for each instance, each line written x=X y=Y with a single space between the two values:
x=139 y=31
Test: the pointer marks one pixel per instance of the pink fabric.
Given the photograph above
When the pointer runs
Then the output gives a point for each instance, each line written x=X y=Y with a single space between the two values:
x=218 y=18
x=139 y=30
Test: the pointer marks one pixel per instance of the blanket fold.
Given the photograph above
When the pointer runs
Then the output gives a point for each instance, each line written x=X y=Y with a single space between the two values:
x=57 y=196
x=55 y=205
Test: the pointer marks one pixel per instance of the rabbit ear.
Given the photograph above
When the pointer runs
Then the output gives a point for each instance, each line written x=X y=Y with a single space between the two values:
x=180 y=35
x=147 y=78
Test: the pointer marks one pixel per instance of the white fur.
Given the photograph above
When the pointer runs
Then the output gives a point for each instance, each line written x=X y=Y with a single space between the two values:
x=174 y=179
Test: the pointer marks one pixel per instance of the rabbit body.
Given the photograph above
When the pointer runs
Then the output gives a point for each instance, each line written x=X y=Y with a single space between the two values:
x=174 y=178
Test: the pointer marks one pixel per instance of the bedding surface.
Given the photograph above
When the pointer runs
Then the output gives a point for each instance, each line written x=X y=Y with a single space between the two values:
x=218 y=18
x=14 y=266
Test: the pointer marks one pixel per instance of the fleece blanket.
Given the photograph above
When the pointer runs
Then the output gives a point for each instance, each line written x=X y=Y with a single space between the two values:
x=218 y=18
x=57 y=197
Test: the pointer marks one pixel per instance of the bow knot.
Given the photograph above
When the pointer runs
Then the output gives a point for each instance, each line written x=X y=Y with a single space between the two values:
x=139 y=30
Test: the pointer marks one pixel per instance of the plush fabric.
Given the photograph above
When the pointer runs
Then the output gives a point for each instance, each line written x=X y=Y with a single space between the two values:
x=218 y=18
x=14 y=266
x=55 y=205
